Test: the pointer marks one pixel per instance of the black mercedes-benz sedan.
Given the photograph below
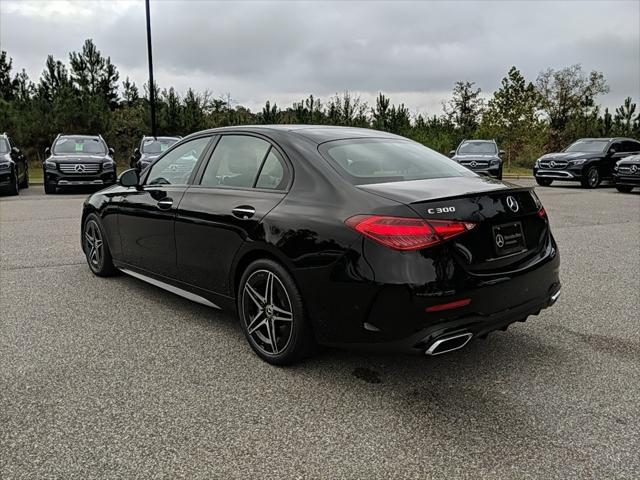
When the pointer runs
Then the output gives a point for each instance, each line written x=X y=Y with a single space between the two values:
x=481 y=156
x=150 y=148
x=78 y=160
x=588 y=161
x=626 y=173
x=328 y=235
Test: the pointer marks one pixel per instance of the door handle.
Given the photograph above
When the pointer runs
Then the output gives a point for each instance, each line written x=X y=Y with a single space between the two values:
x=244 y=211
x=165 y=204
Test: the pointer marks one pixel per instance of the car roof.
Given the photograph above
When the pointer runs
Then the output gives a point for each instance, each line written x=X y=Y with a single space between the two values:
x=161 y=136
x=608 y=139
x=477 y=140
x=80 y=136
x=315 y=133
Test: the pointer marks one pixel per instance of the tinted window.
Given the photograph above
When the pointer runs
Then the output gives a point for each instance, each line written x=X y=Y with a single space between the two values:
x=155 y=146
x=630 y=146
x=588 y=146
x=64 y=145
x=235 y=161
x=272 y=174
x=4 y=145
x=176 y=166
x=383 y=160
x=482 y=148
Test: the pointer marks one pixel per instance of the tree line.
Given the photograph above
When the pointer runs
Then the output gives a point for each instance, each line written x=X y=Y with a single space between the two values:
x=85 y=96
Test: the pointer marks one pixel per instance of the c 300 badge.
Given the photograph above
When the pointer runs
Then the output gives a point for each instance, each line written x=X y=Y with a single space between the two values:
x=432 y=211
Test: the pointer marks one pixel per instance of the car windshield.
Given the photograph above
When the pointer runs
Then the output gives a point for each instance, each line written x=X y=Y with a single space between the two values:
x=375 y=160
x=157 y=145
x=4 y=146
x=596 y=146
x=79 y=145
x=483 y=148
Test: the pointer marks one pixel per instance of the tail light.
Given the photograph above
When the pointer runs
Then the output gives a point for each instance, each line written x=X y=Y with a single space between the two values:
x=402 y=233
x=542 y=213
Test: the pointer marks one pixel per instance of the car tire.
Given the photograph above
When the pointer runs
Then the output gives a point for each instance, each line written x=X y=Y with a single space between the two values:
x=96 y=248
x=624 y=188
x=25 y=180
x=49 y=187
x=591 y=179
x=270 y=308
x=14 y=186
x=543 y=182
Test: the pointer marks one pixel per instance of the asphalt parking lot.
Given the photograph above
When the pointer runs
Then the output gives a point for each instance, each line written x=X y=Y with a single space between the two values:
x=114 y=378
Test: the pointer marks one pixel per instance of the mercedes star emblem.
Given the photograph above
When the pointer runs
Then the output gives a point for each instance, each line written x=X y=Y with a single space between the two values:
x=512 y=204
x=499 y=240
x=473 y=163
x=79 y=168
x=634 y=168
x=552 y=164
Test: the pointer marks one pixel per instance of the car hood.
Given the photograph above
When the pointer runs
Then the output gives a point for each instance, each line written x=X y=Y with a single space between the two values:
x=570 y=156
x=433 y=188
x=75 y=158
x=632 y=160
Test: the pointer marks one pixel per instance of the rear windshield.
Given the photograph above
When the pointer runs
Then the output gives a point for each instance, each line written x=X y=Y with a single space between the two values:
x=376 y=160
x=4 y=145
x=159 y=145
x=590 y=146
x=79 y=145
x=477 y=147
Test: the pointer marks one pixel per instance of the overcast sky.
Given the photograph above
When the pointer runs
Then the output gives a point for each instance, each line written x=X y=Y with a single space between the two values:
x=282 y=51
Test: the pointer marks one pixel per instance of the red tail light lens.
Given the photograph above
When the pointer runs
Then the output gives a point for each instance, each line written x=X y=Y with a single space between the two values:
x=402 y=233
x=542 y=213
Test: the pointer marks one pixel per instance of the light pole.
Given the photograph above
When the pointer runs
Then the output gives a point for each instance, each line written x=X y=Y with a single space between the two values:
x=152 y=90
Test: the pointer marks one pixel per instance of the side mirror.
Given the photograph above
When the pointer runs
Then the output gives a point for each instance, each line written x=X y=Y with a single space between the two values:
x=501 y=153
x=15 y=150
x=136 y=151
x=47 y=151
x=452 y=153
x=612 y=151
x=111 y=151
x=129 y=178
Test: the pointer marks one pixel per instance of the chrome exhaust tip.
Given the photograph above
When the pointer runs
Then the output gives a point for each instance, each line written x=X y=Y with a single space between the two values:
x=449 y=344
x=555 y=297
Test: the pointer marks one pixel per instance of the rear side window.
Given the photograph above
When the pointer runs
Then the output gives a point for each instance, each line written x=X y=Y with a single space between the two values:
x=235 y=162
x=272 y=176
x=375 y=160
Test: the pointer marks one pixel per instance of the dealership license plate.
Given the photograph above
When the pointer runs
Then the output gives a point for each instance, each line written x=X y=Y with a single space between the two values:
x=508 y=238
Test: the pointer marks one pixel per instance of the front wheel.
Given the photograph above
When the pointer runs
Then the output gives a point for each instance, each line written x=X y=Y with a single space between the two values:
x=96 y=249
x=543 y=182
x=624 y=188
x=591 y=179
x=14 y=186
x=272 y=314
x=49 y=187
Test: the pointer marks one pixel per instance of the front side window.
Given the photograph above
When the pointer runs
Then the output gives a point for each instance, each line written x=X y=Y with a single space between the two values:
x=176 y=166
x=480 y=148
x=630 y=146
x=235 y=161
x=588 y=146
x=374 y=160
x=70 y=145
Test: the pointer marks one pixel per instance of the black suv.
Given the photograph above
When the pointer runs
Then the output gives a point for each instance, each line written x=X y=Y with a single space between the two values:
x=14 y=167
x=78 y=160
x=150 y=148
x=588 y=161
x=626 y=173
x=481 y=156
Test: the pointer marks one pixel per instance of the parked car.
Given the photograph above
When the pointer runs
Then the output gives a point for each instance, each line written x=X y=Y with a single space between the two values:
x=588 y=161
x=76 y=160
x=339 y=236
x=626 y=173
x=150 y=148
x=481 y=156
x=14 y=167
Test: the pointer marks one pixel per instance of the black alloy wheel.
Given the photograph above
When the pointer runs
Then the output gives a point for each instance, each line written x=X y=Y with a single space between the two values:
x=95 y=248
x=592 y=178
x=543 y=182
x=624 y=188
x=272 y=314
x=25 y=180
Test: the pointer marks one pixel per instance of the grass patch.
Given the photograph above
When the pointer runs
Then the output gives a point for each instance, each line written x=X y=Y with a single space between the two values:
x=35 y=173
x=516 y=170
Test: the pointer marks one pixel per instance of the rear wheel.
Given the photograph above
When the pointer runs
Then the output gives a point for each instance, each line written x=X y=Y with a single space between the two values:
x=96 y=248
x=591 y=179
x=543 y=182
x=624 y=188
x=272 y=314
